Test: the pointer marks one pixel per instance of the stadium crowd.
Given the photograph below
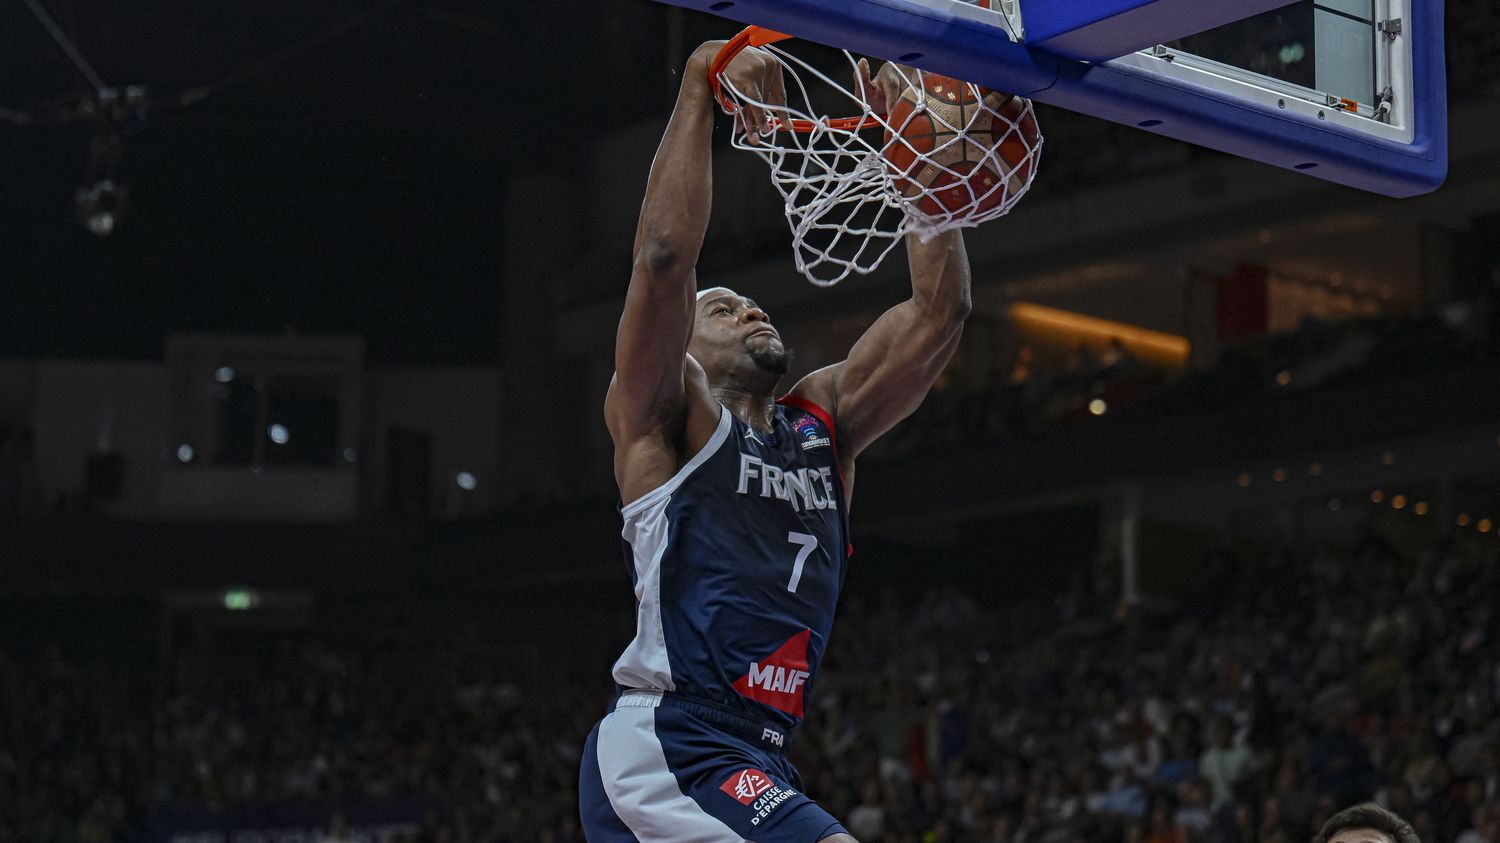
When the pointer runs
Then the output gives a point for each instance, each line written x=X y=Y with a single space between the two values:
x=1034 y=394
x=1301 y=682
x=1320 y=680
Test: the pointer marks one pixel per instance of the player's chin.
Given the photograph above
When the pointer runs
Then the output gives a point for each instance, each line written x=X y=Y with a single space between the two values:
x=770 y=356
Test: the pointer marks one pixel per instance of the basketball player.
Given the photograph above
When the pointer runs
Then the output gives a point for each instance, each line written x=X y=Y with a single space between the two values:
x=735 y=506
x=1366 y=823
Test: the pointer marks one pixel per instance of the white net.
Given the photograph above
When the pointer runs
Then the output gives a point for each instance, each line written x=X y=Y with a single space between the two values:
x=945 y=154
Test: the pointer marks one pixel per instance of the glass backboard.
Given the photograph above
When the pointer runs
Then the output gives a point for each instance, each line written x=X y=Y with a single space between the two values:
x=1351 y=91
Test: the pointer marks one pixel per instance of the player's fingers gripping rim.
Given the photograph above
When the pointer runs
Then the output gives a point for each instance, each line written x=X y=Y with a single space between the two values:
x=754 y=79
x=764 y=87
x=776 y=91
x=869 y=95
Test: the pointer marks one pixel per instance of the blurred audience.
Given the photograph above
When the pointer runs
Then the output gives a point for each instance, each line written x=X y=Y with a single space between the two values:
x=1033 y=394
x=1326 y=678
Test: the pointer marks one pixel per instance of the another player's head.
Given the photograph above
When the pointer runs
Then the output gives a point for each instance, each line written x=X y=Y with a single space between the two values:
x=1367 y=823
x=734 y=341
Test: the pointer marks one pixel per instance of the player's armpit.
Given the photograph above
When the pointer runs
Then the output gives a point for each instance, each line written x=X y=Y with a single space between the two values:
x=648 y=452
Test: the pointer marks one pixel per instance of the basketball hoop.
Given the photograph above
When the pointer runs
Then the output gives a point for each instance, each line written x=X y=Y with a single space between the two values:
x=947 y=155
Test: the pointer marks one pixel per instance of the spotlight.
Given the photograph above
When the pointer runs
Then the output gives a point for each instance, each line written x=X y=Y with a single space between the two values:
x=101 y=206
x=1098 y=407
x=466 y=481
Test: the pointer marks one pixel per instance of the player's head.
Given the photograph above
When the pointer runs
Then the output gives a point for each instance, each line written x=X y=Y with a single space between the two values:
x=733 y=340
x=1367 y=823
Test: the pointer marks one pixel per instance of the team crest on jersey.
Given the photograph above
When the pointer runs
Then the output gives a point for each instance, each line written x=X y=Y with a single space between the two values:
x=779 y=679
x=807 y=432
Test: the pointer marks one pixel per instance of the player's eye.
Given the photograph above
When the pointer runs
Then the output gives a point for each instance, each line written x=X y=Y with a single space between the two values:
x=718 y=310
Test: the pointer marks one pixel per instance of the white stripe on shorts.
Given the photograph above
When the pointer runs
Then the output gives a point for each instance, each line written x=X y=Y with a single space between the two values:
x=640 y=786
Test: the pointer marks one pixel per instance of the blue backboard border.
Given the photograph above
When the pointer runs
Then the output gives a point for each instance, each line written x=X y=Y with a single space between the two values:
x=1131 y=91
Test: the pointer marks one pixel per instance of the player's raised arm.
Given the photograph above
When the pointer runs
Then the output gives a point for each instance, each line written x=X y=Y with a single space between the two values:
x=651 y=345
x=895 y=362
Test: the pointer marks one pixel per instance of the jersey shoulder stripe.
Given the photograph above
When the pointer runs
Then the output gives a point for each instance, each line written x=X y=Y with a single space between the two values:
x=797 y=402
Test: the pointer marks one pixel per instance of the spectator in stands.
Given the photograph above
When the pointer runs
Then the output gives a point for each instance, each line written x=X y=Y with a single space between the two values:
x=867 y=820
x=1225 y=764
x=1161 y=825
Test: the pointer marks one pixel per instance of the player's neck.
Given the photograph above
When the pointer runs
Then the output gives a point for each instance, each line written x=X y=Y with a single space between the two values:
x=756 y=408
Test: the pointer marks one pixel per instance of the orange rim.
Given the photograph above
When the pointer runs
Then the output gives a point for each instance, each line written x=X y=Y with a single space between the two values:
x=758 y=36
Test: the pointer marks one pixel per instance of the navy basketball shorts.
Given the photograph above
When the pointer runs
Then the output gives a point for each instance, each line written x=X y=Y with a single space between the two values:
x=661 y=767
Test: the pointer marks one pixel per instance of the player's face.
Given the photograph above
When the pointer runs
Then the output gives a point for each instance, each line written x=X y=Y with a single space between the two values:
x=1361 y=835
x=731 y=329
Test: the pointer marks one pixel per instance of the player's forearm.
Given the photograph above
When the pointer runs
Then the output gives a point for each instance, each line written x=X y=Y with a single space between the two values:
x=940 y=277
x=679 y=192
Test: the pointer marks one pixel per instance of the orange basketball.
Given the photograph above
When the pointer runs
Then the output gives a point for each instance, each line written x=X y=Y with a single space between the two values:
x=959 y=149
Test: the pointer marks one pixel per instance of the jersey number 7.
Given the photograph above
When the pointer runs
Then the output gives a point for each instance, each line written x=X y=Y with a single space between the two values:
x=809 y=544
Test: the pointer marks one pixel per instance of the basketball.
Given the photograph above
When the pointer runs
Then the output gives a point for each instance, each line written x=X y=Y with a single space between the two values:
x=959 y=149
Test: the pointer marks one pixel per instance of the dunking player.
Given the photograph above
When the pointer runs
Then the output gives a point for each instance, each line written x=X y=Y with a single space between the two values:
x=735 y=506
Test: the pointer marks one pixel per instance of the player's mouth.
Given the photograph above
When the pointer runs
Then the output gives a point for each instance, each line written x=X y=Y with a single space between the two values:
x=758 y=331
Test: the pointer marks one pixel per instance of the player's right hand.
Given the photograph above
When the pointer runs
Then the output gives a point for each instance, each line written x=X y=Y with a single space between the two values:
x=756 y=76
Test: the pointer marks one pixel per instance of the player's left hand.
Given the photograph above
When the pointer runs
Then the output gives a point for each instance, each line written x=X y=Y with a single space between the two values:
x=881 y=90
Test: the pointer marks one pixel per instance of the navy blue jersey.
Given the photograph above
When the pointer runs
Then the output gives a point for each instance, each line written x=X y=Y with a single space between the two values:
x=738 y=561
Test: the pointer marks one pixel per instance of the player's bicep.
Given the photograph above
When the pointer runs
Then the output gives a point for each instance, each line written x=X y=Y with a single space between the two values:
x=650 y=347
x=890 y=370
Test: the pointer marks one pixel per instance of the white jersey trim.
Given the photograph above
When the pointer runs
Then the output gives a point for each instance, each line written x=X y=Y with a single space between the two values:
x=641 y=787
x=666 y=489
x=645 y=662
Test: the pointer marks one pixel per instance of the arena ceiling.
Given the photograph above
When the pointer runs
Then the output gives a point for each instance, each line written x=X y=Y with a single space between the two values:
x=272 y=122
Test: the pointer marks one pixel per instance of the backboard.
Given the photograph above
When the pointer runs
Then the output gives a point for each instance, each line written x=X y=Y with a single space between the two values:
x=1351 y=91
